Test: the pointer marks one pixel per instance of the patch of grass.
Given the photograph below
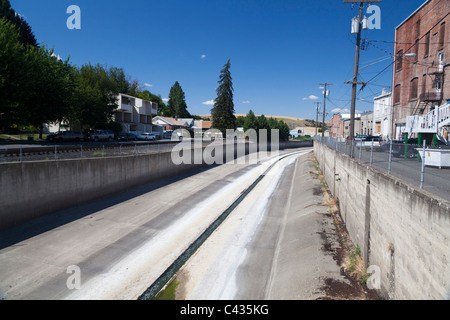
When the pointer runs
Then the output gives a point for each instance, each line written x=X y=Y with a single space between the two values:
x=99 y=154
x=168 y=293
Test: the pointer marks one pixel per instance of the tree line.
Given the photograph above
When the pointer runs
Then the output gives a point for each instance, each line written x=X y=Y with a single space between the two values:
x=37 y=87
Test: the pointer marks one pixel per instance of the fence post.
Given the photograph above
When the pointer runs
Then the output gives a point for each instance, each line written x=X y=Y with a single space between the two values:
x=371 y=153
x=423 y=165
x=55 y=153
x=390 y=157
x=360 y=151
x=103 y=151
x=20 y=153
x=81 y=148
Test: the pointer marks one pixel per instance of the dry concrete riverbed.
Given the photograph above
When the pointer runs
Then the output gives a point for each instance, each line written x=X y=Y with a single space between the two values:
x=280 y=243
x=272 y=246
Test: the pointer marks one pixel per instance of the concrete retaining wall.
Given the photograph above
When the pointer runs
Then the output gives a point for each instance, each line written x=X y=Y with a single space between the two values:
x=402 y=229
x=33 y=189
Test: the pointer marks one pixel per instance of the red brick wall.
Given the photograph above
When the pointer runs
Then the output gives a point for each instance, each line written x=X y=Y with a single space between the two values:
x=406 y=35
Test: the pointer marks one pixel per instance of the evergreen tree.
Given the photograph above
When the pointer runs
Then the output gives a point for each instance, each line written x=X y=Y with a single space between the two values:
x=251 y=122
x=176 y=106
x=223 y=111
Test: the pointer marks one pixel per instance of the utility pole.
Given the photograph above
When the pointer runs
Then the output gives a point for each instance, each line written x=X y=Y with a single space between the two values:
x=317 y=114
x=324 y=102
x=356 y=68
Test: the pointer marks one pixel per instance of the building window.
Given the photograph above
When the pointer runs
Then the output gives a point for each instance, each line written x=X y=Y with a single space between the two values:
x=399 y=60
x=416 y=50
x=442 y=36
x=418 y=29
x=397 y=90
x=414 y=88
x=427 y=45
x=424 y=84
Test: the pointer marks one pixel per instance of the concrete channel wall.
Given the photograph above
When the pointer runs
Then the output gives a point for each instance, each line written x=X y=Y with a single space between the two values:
x=36 y=188
x=403 y=231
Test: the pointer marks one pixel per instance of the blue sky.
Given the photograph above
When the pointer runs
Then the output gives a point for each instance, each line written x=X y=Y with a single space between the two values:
x=280 y=50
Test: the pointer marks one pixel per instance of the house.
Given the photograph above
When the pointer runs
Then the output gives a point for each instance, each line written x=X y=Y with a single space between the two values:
x=170 y=124
x=189 y=121
x=422 y=49
x=135 y=114
x=204 y=125
x=382 y=114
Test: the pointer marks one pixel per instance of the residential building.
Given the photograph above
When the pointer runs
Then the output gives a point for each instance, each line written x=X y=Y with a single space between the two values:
x=419 y=82
x=170 y=123
x=135 y=114
x=382 y=115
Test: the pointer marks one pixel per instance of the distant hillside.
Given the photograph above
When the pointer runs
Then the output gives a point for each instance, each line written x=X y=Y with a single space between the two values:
x=292 y=122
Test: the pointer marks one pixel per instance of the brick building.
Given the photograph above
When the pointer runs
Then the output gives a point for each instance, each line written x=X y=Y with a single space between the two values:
x=337 y=126
x=419 y=82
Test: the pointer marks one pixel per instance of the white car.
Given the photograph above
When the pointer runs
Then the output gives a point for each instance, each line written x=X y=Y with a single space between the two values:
x=146 y=136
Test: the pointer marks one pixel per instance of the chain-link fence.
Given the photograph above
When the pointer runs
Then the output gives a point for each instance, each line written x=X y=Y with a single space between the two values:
x=21 y=153
x=421 y=165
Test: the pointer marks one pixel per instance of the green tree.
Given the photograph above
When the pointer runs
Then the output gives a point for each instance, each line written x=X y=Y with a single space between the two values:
x=223 y=111
x=26 y=35
x=96 y=97
x=251 y=122
x=49 y=88
x=176 y=107
x=12 y=78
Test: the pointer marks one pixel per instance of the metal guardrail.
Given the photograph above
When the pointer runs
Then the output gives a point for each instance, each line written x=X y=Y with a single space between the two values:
x=21 y=153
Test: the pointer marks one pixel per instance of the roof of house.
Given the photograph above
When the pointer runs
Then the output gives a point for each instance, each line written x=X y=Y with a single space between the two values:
x=171 y=121
x=204 y=124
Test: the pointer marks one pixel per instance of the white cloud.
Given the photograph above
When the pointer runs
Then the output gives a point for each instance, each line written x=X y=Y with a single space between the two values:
x=311 y=97
x=339 y=110
x=209 y=102
x=165 y=99
x=148 y=85
x=246 y=101
x=203 y=56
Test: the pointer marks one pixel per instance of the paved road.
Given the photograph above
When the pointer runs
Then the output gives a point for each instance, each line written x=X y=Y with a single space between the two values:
x=436 y=180
x=121 y=244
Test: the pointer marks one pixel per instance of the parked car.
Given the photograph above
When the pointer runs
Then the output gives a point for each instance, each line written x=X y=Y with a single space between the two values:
x=101 y=135
x=146 y=136
x=401 y=149
x=167 y=134
x=127 y=137
x=63 y=136
x=386 y=145
x=369 y=141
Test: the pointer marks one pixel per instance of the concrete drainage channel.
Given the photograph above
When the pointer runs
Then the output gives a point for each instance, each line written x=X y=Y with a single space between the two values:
x=165 y=277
